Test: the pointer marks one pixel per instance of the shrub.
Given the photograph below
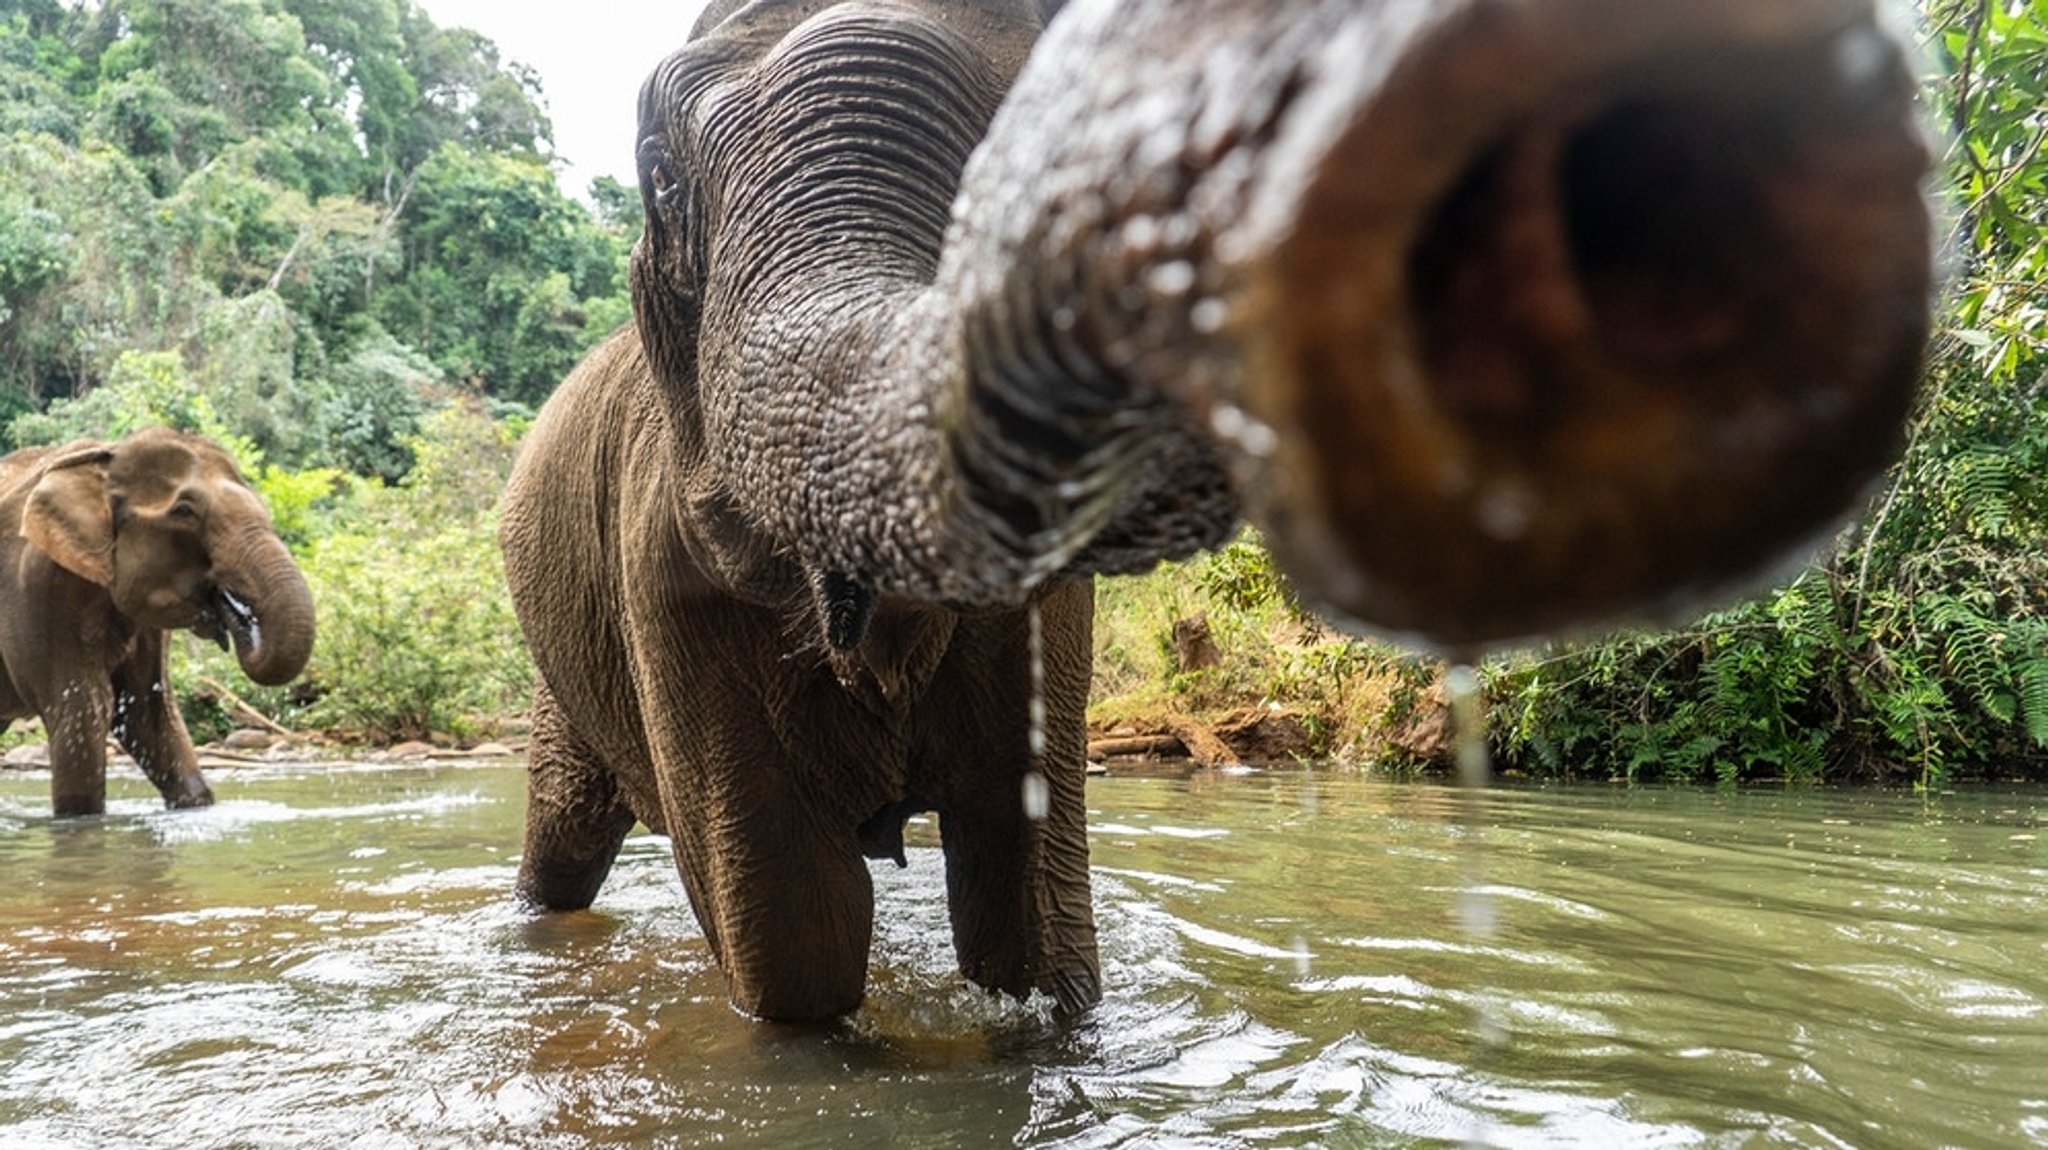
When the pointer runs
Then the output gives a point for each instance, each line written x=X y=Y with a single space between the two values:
x=1351 y=693
x=417 y=633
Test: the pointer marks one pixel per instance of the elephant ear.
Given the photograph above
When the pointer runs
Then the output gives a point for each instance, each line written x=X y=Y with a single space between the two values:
x=68 y=517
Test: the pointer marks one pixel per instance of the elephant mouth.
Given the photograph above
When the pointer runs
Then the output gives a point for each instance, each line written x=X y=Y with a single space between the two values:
x=226 y=618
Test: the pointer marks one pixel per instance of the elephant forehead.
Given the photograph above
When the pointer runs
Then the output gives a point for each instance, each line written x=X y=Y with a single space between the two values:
x=156 y=469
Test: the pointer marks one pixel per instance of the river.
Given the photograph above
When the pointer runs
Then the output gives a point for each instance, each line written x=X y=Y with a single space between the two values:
x=330 y=957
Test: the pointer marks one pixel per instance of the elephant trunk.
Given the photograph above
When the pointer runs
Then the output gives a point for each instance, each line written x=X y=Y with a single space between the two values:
x=1499 y=317
x=265 y=607
x=1650 y=323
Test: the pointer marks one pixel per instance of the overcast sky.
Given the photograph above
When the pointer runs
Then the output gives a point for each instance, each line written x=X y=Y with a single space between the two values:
x=591 y=56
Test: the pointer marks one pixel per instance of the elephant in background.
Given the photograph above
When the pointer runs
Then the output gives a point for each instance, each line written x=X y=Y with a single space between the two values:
x=1497 y=319
x=104 y=549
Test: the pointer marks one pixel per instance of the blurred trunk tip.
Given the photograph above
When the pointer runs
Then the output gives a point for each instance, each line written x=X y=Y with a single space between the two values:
x=1633 y=320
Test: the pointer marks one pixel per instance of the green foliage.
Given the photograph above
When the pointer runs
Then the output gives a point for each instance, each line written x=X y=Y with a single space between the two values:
x=145 y=389
x=374 y=407
x=33 y=254
x=1991 y=89
x=118 y=290
x=37 y=71
x=1349 y=693
x=300 y=197
x=324 y=233
x=1243 y=575
x=302 y=503
x=417 y=634
x=475 y=297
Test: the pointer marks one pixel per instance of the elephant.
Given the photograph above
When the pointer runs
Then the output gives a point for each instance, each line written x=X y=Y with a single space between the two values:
x=1498 y=318
x=105 y=548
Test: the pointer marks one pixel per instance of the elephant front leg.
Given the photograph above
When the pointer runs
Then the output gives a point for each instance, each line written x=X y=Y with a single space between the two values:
x=785 y=901
x=576 y=819
x=148 y=726
x=1017 y=886
x=1015 y=831
x=77 y=724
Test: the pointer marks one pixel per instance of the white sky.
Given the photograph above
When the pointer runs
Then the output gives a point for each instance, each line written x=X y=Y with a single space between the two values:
x=591 y=56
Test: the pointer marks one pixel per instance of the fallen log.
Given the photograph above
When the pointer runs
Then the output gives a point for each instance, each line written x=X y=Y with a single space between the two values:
x=1137 y=746
x=1204 y=747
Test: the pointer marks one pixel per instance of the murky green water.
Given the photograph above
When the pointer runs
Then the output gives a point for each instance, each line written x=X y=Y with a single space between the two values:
x=330 y=958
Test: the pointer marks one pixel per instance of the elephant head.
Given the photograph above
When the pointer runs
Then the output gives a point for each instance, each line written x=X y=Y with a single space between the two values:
x=166 y=523
x=1498 y=318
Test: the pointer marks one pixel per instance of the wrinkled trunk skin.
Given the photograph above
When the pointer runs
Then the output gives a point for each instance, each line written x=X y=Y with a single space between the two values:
x=1499 y=317
x=256 y=567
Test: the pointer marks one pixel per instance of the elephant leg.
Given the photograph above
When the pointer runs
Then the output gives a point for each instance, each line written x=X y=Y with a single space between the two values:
x=1017 y=875
x=762 y=832
x=1019 y=894
x=77 y=725
x=575 y=816
x=148 y=726
x=785 y=901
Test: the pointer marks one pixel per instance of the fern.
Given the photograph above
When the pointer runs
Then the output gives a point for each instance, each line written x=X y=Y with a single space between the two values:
x=1984 y=487
x=1973 y=650
x=2032 y=673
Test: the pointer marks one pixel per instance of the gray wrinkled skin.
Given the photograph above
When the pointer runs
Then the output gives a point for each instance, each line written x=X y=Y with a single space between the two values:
x=778 y=718
x=1379 y=275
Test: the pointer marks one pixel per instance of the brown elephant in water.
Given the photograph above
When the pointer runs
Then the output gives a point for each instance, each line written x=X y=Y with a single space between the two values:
x=1497 y=318
x=106 y=547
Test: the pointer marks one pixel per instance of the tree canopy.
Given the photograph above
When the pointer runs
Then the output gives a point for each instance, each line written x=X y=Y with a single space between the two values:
x=329 y=214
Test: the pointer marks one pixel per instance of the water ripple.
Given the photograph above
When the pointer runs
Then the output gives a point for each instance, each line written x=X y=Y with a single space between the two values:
x=335 y=959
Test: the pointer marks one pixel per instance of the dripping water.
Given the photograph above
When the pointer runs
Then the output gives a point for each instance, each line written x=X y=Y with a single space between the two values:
x=1037 y=794
x=1475 y=905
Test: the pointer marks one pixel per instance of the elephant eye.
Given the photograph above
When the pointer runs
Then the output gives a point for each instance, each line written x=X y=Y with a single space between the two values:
x=184 y=511
x=654 y=160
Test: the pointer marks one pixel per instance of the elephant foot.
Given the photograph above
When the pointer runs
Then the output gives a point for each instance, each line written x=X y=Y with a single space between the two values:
x=190 y=798
x=793 y=942
x=565 y=863
x=1074 y=990
x=795 y=1001
x=576 y=819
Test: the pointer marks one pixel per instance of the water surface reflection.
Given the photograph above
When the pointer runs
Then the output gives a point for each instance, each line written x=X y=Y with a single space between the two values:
x=330 y=958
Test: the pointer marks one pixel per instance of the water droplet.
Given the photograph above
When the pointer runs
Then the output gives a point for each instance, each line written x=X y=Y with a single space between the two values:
x=1251 y=436
x=1035 y=732
x=1302 y=957
x=1209 y=315
x=1504 y=510
x=1141 y=233
x=1474 y=909
x=1037 y=793
x=1861 y=59
x=1491 y=1030
x=1468 y=725
x=1171 y=278
x=1475 y=913
x=1037 y=796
